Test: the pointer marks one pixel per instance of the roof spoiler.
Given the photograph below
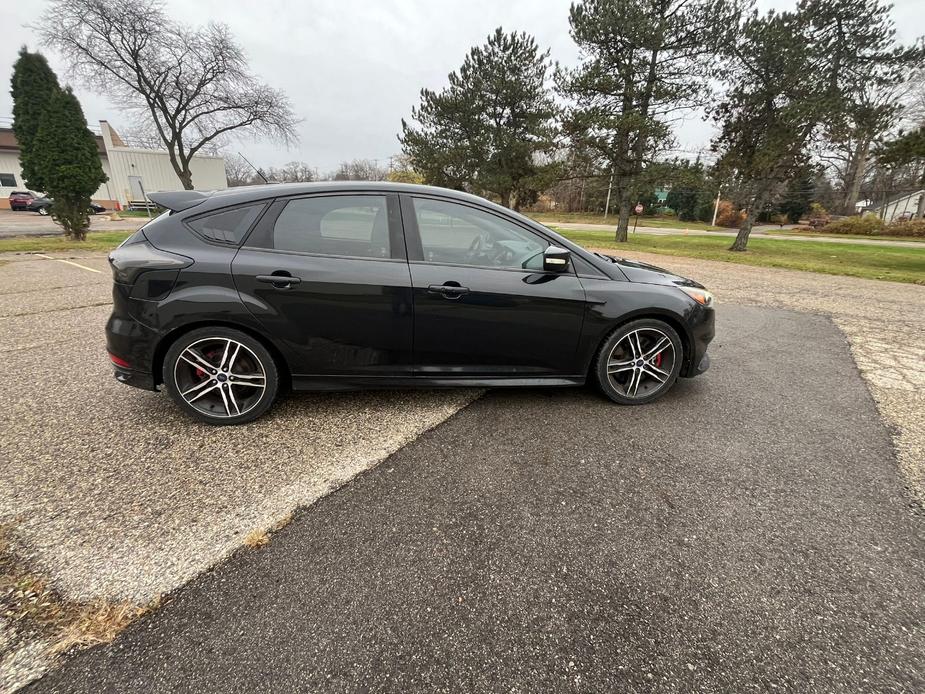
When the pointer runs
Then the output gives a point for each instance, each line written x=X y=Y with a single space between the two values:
x=177 y=200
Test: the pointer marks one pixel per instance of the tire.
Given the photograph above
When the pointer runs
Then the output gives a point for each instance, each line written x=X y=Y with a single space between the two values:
x=197 y=376
x=43 y=211
x=639 y=362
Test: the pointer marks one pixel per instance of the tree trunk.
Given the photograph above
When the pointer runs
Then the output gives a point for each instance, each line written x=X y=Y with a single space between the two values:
x=741 y=241
x=920 y=210
x=855 y=176
x=623 y=222
x=186 y=178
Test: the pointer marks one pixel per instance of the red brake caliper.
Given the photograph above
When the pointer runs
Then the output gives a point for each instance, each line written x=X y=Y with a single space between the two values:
x=200 y=374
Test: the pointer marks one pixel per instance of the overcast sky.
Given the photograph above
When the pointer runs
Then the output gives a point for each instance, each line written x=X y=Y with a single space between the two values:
x=353 y=68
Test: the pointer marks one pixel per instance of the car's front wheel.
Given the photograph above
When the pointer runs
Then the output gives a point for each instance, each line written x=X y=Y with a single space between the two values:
x=43 y=211
x=221 y=375
x=639 y=361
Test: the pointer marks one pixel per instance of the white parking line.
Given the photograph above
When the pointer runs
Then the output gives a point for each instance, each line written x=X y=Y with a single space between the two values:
x=82 y=267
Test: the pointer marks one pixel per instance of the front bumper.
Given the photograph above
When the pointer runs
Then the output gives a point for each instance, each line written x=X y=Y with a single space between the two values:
x=702 y=326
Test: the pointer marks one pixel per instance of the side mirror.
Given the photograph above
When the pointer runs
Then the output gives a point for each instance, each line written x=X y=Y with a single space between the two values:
x=556 y=259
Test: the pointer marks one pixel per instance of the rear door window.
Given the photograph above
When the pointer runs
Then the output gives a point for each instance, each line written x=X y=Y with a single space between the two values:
x=341 y=225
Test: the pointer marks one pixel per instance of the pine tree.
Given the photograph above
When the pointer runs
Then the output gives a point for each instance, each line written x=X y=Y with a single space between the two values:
x=791 y=75
x=644 y=62
x=32 y=86
x=489 y=129
x=66 y=157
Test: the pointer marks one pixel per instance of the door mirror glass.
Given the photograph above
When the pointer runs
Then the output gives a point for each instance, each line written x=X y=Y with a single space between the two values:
x=556 y=259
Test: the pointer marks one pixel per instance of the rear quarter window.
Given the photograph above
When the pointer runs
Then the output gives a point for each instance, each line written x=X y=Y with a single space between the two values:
x=227 y=226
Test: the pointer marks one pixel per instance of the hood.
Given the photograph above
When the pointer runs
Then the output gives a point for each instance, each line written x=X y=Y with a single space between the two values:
x=650 y=274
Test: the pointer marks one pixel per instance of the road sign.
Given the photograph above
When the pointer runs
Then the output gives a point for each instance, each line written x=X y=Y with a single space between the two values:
x=638 y=208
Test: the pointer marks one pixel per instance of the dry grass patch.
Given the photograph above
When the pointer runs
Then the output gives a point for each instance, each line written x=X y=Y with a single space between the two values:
x=258 y=537
x=99 y=622
x=36 y=610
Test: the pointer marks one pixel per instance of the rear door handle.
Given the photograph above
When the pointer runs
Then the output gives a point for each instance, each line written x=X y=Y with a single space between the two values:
x=281 y=281
x=448 y=291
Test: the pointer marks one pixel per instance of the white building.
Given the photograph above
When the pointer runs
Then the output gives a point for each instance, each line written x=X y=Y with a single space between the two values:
x=132 y=171
x=899 y=208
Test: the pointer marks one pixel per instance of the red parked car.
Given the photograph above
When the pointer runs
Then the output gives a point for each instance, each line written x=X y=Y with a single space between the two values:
x=21 y=199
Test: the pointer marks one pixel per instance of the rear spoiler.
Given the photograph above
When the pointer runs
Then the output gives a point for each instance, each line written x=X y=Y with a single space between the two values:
x=177 y=200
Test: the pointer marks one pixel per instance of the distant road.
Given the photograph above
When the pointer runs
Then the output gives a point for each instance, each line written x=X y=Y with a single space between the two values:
x=762 y=232
x=33 y=224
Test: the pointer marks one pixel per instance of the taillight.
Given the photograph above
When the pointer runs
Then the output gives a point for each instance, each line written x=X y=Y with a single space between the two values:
x=130 y=260
x=118 y=361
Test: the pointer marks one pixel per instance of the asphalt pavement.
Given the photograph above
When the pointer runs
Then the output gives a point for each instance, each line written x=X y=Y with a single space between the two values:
x=749 y=531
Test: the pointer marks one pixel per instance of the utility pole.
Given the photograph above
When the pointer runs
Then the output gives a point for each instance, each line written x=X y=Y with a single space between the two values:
x=716 y=206
x=609 y=188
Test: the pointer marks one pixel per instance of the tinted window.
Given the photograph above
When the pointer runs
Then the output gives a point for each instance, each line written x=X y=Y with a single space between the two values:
x=349 y=225
x=7 y=180
x=462 y=235
x=229 y=226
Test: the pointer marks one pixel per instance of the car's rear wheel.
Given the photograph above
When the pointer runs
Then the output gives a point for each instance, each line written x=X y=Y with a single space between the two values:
x=221 y=375
x=639 y=361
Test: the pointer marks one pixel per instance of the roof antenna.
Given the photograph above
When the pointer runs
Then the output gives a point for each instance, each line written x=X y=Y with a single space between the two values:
x=259 y=172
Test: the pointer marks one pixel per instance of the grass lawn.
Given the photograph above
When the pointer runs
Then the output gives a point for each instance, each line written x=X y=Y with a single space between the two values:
x=870 y=237
x=139 y=213
x=551 y=218
x=856 y=260
x=96 y=241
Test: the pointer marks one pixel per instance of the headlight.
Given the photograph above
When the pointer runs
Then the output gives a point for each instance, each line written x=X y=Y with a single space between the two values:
x=701 y=296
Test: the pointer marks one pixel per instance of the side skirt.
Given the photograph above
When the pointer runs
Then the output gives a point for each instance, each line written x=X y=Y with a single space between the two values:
x=341 y=383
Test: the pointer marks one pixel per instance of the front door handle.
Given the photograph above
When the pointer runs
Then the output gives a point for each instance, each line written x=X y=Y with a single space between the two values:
x=448 y=290
x=279 y=279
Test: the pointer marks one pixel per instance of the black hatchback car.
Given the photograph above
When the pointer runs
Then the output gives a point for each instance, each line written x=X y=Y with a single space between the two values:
x=230 y=297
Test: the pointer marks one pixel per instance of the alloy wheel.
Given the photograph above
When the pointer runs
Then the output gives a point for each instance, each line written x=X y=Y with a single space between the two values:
x=641 y=363
x=220 y=377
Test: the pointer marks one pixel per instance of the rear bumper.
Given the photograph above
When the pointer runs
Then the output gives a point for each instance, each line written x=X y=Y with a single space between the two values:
x=132 y=342
x=139 y=379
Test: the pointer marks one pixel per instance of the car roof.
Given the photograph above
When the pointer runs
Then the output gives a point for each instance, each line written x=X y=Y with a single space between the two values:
x=185 y=199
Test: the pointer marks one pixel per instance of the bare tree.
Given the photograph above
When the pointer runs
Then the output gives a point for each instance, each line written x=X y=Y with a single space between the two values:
x=191 y=86
x=361 y=170
x=912 y=97
x=238 y=172
x=848 y=142
x=293 y=172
